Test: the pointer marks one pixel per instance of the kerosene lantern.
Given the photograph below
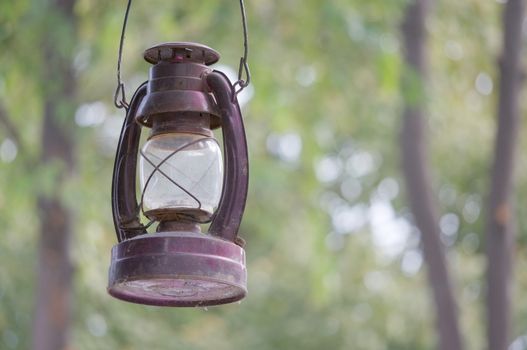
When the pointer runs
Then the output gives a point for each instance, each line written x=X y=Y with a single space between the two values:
x=184 y=183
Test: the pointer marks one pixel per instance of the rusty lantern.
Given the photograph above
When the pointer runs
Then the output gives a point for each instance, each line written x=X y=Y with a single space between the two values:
x=182 y=185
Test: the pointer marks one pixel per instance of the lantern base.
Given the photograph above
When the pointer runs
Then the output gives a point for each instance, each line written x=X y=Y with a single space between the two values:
x=178 y=269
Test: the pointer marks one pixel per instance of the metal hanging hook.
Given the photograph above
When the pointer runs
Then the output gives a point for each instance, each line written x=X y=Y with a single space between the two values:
x=244 y=66
x=119 y=98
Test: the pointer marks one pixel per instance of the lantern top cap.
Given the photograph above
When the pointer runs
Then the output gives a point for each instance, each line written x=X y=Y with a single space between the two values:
x=179 y=52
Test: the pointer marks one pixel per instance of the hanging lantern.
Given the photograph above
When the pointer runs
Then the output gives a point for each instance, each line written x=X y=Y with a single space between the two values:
x=184 y=183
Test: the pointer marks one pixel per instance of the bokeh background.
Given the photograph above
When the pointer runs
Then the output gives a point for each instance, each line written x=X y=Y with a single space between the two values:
x=334 y=257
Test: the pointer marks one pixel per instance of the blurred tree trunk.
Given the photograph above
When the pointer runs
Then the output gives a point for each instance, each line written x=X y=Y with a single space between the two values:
x=501 y=224
x=8 y=125
x=417 y=177
x=53 y=301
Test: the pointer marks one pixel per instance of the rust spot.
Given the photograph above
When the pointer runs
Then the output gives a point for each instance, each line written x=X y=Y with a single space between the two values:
x=502 y=214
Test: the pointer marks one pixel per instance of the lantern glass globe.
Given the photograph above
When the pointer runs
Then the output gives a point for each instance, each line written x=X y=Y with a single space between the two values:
x=189 y=177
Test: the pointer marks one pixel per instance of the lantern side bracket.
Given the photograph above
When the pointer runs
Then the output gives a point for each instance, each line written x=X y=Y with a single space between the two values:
x=125 y=208
x=228 y=216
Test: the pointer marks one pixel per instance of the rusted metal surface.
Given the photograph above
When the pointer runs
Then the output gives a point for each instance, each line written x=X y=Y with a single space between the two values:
x=178 y=269
x=181 y=51
x=176 y=83
x=171 y=102
x=188 y=123
x=229 y=214
x=125 y=208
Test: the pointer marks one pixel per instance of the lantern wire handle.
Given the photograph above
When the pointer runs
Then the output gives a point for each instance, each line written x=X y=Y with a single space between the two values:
x=119 y=98
x=244 y=65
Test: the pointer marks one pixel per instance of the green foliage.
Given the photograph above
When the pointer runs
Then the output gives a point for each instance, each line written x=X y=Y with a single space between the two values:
x=326 y=73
